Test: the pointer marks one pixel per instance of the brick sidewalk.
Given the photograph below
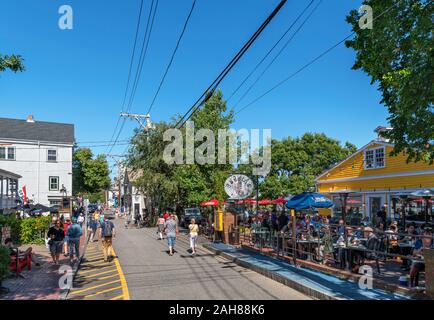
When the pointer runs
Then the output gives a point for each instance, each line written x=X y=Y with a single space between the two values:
x=41 y=283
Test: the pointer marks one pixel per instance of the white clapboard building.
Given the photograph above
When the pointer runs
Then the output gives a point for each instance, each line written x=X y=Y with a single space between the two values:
x=41 y=154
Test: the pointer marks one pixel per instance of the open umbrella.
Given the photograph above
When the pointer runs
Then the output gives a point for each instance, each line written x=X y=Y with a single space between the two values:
x=307 y=200
x=264 y=202
x=426 y=194
x=213 y=202
x=279 y=201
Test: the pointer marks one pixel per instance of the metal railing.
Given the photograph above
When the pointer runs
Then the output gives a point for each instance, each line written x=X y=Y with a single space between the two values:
x=324 y=245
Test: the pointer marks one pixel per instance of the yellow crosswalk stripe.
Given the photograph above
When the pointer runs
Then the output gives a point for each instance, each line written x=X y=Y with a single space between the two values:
x=101 y=292
x=99 y=273
x=97 y=279
x=118 y=297
x=94 y=287
x=93 y=270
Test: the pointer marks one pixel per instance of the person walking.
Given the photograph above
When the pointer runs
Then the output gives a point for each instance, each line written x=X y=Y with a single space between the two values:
x=56 y=234
x=171 y=230
x=107 y=234
x=80 y=219
x=74 y=234
x=160 y=225
x=65 y=243
x=194 y=233
x=92 y=226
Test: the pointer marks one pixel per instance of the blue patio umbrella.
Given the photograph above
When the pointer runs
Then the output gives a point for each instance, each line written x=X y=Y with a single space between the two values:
x=307 y=200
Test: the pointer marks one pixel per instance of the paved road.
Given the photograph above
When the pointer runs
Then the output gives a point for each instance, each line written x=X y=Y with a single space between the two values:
x=152 y=274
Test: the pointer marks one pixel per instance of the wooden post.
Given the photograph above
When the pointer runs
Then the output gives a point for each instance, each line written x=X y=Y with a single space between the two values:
x=294 y=236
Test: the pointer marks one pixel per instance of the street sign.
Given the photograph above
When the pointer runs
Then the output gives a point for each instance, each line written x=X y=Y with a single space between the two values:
x=238 y=186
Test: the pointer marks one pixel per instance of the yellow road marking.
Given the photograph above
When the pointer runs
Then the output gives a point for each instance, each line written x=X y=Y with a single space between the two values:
x=101 y=292
x=99 y=273
x=118 y=297
x=101 y=264
x=97 y=279
x=125 y=291
x=92 y=270
x=94 y=287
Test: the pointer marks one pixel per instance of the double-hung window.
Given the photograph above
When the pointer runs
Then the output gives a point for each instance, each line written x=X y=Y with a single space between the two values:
x=375 y=158
x=54 y=183
x=7 y=153
x=51 y=155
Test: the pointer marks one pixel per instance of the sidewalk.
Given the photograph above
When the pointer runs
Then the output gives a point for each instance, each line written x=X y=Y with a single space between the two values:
x=41 y=283
x=313 y=283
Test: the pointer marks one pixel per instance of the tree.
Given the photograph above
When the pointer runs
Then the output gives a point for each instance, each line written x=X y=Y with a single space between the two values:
x=295 y=162
x=180 y=186
x=398 y=56
x=13 y=63
x=90 y=175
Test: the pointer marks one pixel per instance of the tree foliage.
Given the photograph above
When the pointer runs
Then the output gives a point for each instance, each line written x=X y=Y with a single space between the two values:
x=297 y=161
x=90 y=174
x=13 y=63
x=398 y=56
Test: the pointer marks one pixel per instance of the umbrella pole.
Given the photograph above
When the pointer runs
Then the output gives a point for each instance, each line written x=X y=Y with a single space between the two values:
x=294 y=237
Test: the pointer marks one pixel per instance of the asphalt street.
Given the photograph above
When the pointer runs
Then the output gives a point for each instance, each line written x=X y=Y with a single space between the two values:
x=151 y=273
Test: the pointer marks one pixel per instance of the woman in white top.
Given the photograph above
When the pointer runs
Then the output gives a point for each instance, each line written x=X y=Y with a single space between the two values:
x=160 y=224
x=194 y=232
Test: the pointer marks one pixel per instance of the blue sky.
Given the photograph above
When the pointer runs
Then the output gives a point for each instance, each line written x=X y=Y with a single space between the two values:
x=79 y=76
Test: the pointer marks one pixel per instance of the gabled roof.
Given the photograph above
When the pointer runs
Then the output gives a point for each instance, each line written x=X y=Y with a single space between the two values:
x=15 y=129
x=355 y=153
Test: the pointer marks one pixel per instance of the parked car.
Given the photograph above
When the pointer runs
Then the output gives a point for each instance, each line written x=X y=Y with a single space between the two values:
x=190 y=213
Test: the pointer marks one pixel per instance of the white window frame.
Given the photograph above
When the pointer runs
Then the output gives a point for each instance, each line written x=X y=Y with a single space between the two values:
x=49 y=183
x=375 y=164
x=48 y=155
x=6 y=158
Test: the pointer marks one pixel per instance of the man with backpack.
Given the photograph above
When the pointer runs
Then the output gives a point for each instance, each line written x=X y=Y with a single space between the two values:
x=107 y=233
x=74 y=234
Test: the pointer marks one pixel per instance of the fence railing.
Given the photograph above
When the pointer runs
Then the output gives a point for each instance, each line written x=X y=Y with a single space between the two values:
x=329 y=245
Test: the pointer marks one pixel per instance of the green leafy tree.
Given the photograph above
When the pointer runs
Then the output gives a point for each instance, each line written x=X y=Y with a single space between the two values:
x=13 y=63
x=90 y=174
x=398 y=56
x=180 y=186
x=295 y=162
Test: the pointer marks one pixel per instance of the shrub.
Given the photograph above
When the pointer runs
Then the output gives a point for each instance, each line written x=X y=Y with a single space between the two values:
x=4 y=262
x=33 y=230
x=15 y=225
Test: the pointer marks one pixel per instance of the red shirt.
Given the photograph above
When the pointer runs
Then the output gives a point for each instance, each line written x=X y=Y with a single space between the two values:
x=166 y=216
x=65 y=228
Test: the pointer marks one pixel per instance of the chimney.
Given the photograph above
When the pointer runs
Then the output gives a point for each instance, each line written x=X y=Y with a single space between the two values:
x=30 y=118
x=380 y=130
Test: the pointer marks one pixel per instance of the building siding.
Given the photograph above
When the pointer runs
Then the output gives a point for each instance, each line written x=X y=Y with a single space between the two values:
x=31 y=163
x=354 y=167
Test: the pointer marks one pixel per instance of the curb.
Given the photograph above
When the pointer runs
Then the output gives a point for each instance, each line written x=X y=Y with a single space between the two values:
x=314 y=293
x=65 y=292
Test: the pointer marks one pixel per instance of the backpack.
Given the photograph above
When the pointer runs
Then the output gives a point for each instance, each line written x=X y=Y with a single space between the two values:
x=107 y=229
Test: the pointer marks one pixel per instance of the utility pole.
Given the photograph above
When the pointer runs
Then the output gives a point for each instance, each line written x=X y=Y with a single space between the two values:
x=144 y=120
x=119 y=164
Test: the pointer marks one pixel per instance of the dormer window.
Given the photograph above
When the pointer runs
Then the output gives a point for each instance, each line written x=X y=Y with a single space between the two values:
x=375 y=158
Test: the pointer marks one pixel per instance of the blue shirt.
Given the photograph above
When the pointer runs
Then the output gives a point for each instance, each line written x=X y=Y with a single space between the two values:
x=74 y=231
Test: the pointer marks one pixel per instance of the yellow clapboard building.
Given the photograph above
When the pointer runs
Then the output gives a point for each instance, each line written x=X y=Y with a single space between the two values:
x=371 y=179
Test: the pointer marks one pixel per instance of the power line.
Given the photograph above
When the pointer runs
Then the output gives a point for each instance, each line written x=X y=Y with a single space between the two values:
x=144 y=49
x=271 y=50
x=278 y=54
x=131 y=67
x=210 y=90
x=307 y=65
x=172 y=57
